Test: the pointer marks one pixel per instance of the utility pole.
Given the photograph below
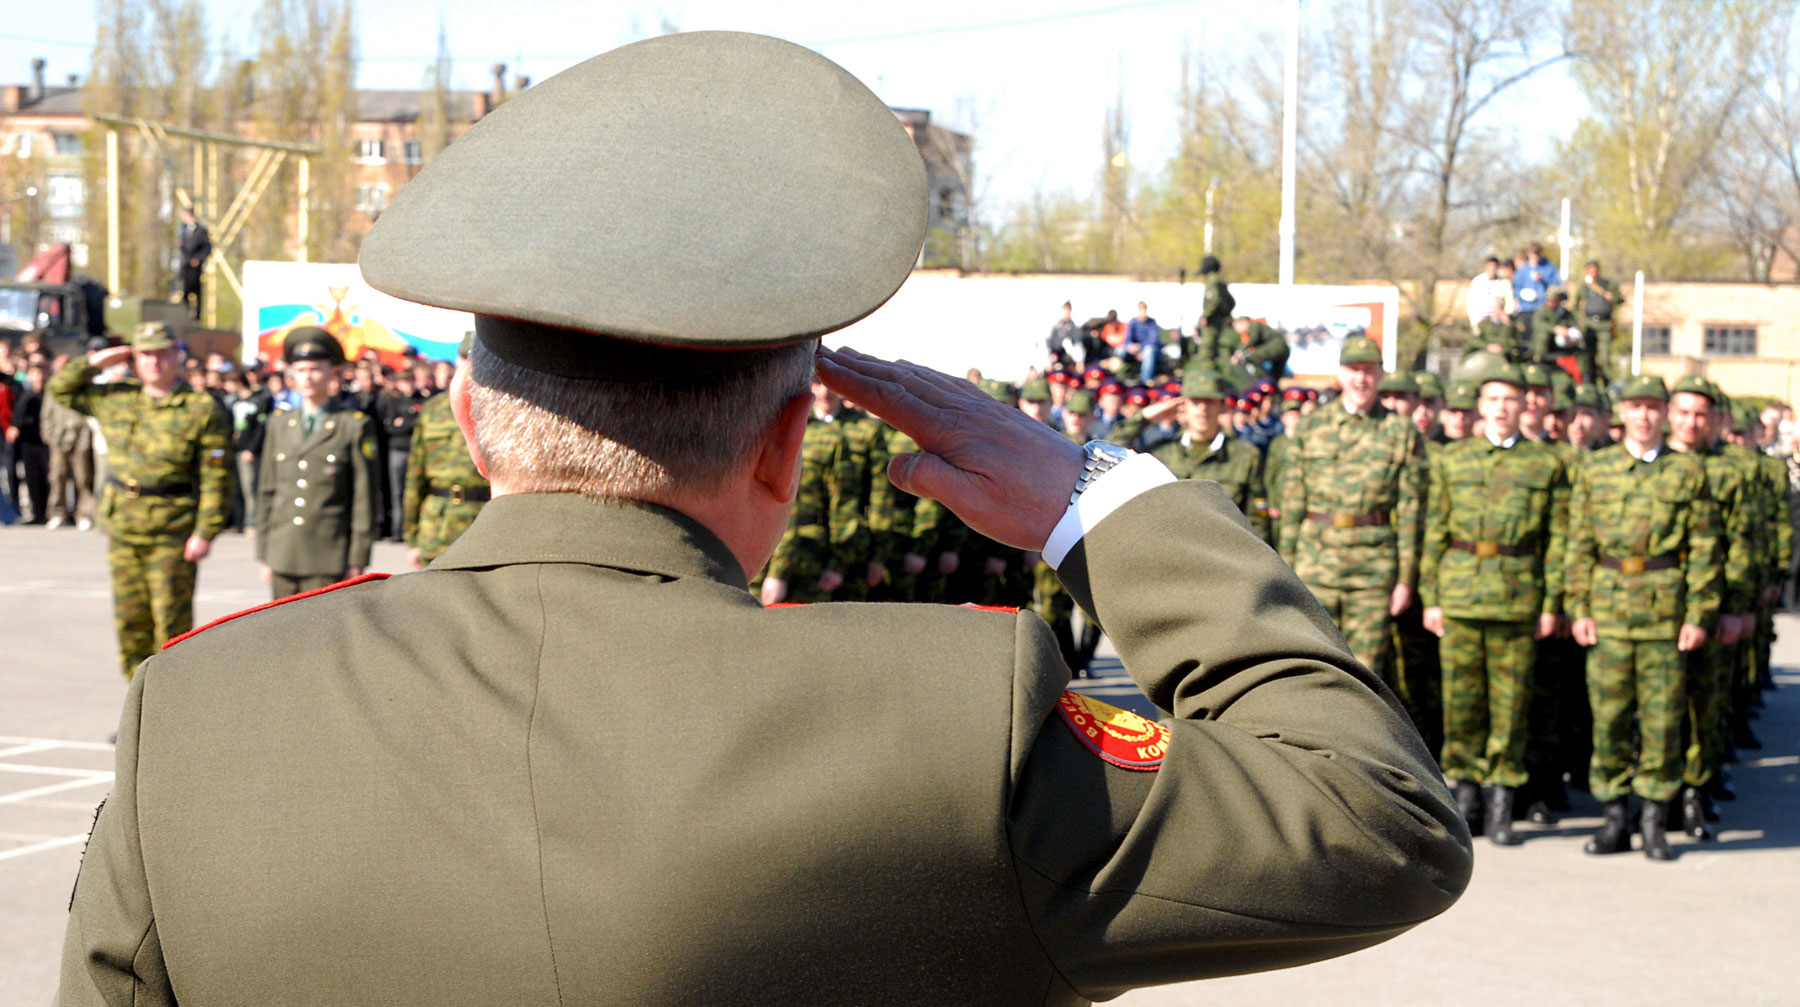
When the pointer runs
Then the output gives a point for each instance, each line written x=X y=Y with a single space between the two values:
x=1290 y=132
x=1206 y=233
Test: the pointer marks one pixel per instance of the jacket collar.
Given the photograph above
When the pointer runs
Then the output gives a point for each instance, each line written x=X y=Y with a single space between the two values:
x=570 y=528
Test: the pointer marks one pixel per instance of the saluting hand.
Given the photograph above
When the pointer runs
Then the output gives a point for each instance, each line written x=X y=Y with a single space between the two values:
x=1005 y=474
x=110 y=356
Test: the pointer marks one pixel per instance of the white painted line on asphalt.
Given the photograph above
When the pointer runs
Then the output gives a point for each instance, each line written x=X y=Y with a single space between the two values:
x=11 y=767
x=86 y=746
x=1771 y=761
x=48 y=844
x=34 y=746
x=52 y=788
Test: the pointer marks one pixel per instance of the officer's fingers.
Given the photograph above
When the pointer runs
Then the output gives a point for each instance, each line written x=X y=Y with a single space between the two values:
x=928 y=476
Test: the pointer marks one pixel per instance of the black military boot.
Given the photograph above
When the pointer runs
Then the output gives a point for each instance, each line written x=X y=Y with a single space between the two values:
x=1693 y=814
x=1468 y=801
x=1537 y=811
x=1615 y=833
x=1499 y=817
x=1656 y=840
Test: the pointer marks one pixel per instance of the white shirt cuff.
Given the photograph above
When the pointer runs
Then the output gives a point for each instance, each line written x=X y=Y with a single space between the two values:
x=1111 y=491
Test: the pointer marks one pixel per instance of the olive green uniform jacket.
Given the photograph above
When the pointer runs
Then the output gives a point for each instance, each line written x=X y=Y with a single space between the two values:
x=182 y=439
x=315 y=510
x=575 y=762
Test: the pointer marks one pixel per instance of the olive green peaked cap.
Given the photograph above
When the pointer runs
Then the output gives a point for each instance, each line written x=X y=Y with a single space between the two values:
x=309 y=342
x=709 y=190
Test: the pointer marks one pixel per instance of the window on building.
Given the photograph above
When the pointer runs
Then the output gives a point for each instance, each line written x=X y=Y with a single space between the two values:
x=67 y=144
x=413 y=154
x=1730 y=341
x=371 y=198
x=1656 y=340
x=371 y=152
x=64 y=195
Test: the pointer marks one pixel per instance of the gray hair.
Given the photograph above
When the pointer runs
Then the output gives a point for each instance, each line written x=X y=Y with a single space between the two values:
x=611 y=440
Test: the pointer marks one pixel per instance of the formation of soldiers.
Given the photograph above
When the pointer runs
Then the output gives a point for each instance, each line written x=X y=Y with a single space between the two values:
x=1560 y=588
x=170 y=481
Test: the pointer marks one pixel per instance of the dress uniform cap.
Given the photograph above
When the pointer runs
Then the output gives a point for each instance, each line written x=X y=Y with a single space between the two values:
x=309 y=342
x=1399 y=382
x=153 y=336
x=1036 y=390
x=1111 y=388
x=1360 y=350
x=1698 y=386
x=1645 y=386
x=1080 y=403
x=1137 y=395
x=1430 y=386
x=1199 y=384
x=703 y=191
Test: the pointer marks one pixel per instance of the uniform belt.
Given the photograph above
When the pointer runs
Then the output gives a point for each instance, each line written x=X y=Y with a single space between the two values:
x=135 y=489
x=458 y=494
x=1345 y=519
x=1639 y=564
x=1487 y=549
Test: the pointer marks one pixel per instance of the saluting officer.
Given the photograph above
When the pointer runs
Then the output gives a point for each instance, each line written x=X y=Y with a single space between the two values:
x=1491 y=582
x=444 y=489
x=1642 y=586
x=318 y=487
x=168 y=487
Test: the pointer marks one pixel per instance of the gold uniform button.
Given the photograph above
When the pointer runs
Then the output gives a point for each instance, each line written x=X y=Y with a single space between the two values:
x=301 y=484
x=303 y=463
x=330 y=459
x=299 y=520
x=299 y=501
x=281 y=456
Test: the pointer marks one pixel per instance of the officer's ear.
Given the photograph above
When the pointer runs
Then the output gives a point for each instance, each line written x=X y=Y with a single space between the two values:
x=777 y=464
x=459 y=407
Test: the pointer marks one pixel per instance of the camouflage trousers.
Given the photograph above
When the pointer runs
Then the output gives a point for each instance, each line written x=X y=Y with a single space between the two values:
x=153 y=596
x=282 y=586
x=1418 y=677
x=1708 y=688
x=1362 y=616
x=1487 y=690
x=1641 y=679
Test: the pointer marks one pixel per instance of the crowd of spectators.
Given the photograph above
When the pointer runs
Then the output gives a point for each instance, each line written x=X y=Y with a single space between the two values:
x=52 y=458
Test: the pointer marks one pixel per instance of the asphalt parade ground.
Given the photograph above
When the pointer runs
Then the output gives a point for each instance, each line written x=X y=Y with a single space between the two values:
x=1542 y=923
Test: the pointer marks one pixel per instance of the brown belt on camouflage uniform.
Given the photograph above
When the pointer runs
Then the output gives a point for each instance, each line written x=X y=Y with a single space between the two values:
x=1345 y=519
x=457 y=494
x=1638 y=564
x=135 y=489
x=1486 y=549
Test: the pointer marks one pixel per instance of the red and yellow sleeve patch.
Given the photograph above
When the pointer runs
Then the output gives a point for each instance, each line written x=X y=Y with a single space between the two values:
x=1119 y=736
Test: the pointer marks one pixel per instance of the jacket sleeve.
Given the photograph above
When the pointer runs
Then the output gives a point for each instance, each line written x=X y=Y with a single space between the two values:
x=111 y=953
x=412 y=500
x=1437 y=533
x=265 y=490
x=1409 y=514
x=217 y=477
x=1556 y=536
x=1295 y=815
x=1579 y=557
x=73 y=386
x=1705 y=569
x=1292 y=500
x=367 y=491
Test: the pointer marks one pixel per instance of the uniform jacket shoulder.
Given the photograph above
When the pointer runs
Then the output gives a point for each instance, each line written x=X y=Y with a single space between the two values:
x=277 y=603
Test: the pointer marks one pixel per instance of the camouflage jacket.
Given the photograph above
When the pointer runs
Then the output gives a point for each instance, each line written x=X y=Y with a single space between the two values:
x=806 y=549
x=1344 y=469
x=891 y=510
x=1732 y=487
x=1494 y=525
x=864 y=447
x=1629 y=511
x=1780 y=550
x=439 y=461
x=1232 y=462
x=1274 y=469
x=181 y=440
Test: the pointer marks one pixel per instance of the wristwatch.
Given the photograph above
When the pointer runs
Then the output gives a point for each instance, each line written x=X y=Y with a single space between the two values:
x=1101 y=457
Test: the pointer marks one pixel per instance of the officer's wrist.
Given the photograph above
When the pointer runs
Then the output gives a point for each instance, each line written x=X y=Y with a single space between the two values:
x=1124 y=482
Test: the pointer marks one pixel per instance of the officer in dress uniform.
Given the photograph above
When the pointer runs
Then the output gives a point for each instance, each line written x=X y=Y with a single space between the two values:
x=831 y=803
x=318 y=488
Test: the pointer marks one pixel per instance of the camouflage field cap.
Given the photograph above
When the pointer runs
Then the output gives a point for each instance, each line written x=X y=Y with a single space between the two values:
x=1360 y=350
x=1505 y=373
x=462 y=348
x=153 y=336
x=1398 y=383
x=1588 y=397
x=1696 y=386
x=1461 y=395
x=1000 y=391
x=1081 y=403
x=1536 y=376
x=1430 y=386
x=1203 y=384
x=1645 y=386
x=309 y=342
x=706 y=191
x=1560 y=399
x=1292 y=405
x=1035 y=390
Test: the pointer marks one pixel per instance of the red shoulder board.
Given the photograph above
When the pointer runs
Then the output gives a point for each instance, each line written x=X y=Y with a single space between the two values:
x=1119 y=736
x=365 y=578
x=1006 y=609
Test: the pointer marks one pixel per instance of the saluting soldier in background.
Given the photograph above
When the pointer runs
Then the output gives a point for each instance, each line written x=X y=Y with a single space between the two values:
x=318 y=486
x=1491 y=581
x=444 y=489
x=168 y=486
x=1642 y=586
x=1351 y=507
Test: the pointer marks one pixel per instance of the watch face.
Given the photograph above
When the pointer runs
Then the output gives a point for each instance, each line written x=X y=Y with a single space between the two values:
x=1109 y=451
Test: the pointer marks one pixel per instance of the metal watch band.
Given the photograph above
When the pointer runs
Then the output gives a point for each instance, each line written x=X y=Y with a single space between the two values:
x=1100 y=457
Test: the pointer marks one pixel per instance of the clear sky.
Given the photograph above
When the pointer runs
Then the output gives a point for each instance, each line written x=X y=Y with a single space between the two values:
x=1033 y=76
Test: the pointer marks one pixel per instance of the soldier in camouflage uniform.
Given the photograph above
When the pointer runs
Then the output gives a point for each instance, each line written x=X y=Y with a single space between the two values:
x=1293 y=402
x=168 y=488
x=1351 y=506
x=1215 y=341
x=1692 y=431
x=1778 y=560
x=1457 y=419
x=1641 y=584
x=901 y=526
x=809 y=561
x=1049 y=600
x=1206 y=450
x=1491 y=580
x=1415 y=673
x=444 y=489
x=865 y=455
